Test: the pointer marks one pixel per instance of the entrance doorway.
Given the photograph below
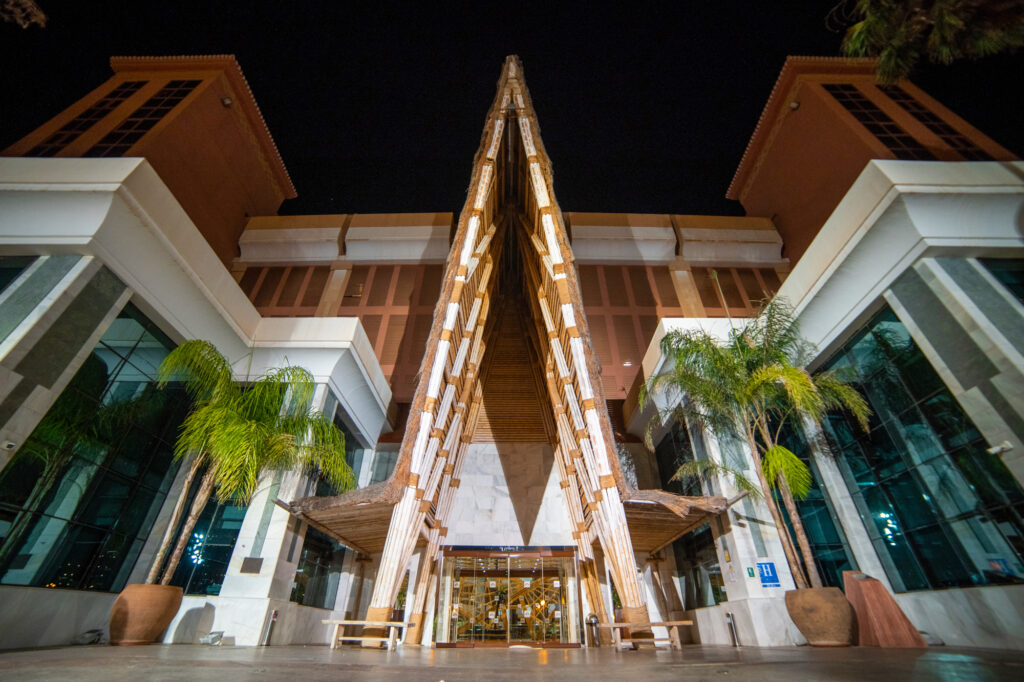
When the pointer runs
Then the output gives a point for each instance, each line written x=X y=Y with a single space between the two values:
x=506 y=598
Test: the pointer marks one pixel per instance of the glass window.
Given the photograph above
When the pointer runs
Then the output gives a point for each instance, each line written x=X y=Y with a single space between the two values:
x=940 y=510
x=11 y=267
x=319 y=570
x=204 y=562
x=672 y=452
x=831 y=553
x=888 y=132
x=697 y=569
x=79 y=497
x=1009 y=271
x=384 y=462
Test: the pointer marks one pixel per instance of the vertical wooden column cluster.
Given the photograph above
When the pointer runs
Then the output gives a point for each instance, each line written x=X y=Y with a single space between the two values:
x=446 y=403
x=584 y=444
x=447 y=400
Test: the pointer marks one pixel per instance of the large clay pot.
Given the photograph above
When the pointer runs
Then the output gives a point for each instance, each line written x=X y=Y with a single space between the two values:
x=822 y=615
x=142 y=612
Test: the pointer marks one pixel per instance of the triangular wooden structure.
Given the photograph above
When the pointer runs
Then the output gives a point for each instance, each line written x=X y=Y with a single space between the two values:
x=510 y=239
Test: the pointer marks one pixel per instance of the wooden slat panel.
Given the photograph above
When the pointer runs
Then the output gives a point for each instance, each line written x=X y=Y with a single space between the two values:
x=642 y=294
x=315 y=288
x=512 y=409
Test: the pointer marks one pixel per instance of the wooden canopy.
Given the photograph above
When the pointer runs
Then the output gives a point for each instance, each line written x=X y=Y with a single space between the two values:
x=360 y=519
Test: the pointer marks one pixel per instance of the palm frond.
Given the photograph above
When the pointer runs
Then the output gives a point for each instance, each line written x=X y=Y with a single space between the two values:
x=703 y=471
x=778 y=461
x=200 y=366
x=837 y=394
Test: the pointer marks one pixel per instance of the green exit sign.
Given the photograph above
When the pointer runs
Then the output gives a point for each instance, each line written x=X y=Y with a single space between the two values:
x=750 y=572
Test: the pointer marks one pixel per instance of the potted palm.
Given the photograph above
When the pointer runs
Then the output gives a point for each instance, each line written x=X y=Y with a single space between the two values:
x=748 y=387
x=232 y=435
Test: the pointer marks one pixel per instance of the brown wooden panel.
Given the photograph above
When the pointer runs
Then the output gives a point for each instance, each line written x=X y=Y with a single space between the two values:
x=755 y=292
x=249 y=278
x=666 y=291
x=626 y=339
x=379 y=285
x=590 y=286
x=648 y=325
x=730 y=291
x=393 y=334
x=294 y=278
x=371 y=323
x=265 y=295
x=706 y=288
x=512 y=409
x=356 y=284
x=770 y=279
x=430 y=287
x=405 y=286
x=599 y=337
x=315 y=287
x=615 y=286
x=642 y=294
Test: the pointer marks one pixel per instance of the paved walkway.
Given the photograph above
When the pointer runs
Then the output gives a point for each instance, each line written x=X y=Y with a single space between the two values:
x=225 y=664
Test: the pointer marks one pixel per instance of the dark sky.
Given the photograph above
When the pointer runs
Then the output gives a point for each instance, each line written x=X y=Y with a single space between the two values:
x=379 y=108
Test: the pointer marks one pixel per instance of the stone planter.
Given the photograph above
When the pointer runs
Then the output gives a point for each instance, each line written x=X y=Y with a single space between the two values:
x=822 y=615
x=142 y=612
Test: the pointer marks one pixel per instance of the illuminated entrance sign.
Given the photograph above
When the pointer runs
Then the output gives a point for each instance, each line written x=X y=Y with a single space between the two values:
x=501 y=596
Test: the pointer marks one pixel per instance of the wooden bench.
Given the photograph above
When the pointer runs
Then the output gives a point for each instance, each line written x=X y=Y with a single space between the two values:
x=672 y=639
x=391 y=625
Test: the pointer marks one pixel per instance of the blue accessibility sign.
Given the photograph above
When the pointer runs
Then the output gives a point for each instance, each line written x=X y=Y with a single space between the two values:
x=769 y=576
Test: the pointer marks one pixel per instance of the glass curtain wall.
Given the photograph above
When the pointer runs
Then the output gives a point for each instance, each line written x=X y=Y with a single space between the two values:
x=698 y=571
x=207 y=555
x=319 y=571
x=942 y=512
x=832 y=554
x=79 y=497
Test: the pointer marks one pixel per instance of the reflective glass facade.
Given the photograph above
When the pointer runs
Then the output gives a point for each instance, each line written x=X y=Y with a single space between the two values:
x=319 y=571
x=941 y=511
x=205 y=560
x=1010 y=272
x=11 y=267
x=824 y=533
x=79 y=497
x=672 y=452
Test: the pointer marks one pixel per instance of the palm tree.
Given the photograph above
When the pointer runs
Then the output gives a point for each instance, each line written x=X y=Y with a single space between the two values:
x=900 y=32
x=748 y=387
x=235 y=432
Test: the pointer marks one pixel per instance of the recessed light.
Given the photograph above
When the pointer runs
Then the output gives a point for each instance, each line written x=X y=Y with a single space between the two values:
x=627 y=363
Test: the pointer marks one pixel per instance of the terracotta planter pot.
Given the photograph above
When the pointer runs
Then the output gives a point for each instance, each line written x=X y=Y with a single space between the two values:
x=822 y=615
x=142 y=612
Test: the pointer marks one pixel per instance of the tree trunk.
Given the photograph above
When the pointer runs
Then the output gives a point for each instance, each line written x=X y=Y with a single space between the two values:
x=799 y=531
x=172 y=524
x=787 y=544
x=202 y=497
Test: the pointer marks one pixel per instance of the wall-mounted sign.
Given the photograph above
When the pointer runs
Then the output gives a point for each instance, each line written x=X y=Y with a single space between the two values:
x=558 y=615
x=492 y=584
x=526 y=583
x=527 y=611
x=750 y=572
x=491 y=615
x=557 y=583
x=769 y=576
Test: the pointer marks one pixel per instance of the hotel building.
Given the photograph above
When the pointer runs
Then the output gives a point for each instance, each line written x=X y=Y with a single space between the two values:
x=484 y=366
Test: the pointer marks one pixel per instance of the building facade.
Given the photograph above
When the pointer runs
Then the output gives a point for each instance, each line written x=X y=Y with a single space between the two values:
x=485 y=369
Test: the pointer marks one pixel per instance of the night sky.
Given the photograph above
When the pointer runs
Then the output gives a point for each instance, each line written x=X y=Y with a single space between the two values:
x=379 y=108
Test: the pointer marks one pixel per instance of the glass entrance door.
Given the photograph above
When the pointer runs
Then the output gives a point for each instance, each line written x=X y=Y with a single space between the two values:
x=506 y=598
